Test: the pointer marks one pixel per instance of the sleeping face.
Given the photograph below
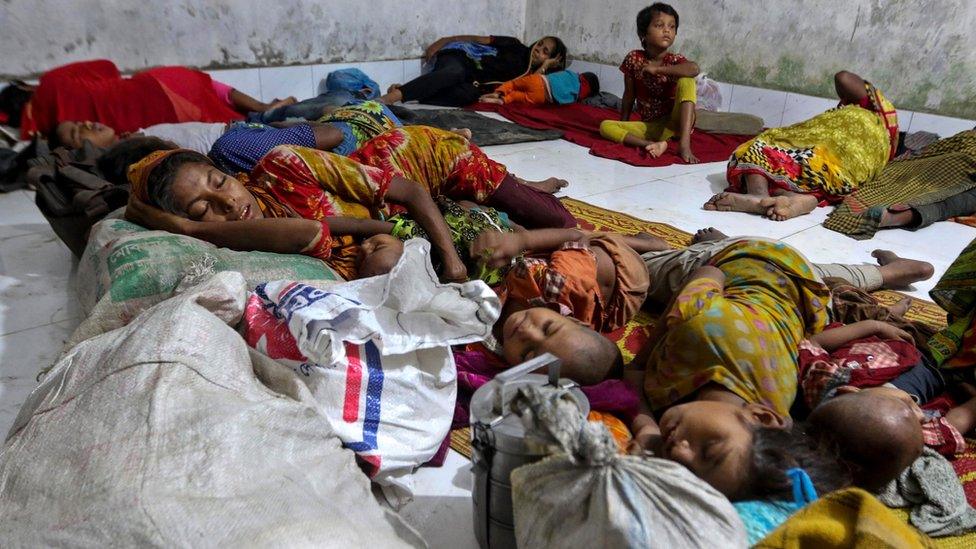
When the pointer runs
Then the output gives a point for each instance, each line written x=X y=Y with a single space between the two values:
x=74 y=134
x=542 y=50
x=201 y=192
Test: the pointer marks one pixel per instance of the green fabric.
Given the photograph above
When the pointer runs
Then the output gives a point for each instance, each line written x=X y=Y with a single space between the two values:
x=956 y=293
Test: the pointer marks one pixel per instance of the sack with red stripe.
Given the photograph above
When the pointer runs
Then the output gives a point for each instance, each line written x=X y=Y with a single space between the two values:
x=375 y=354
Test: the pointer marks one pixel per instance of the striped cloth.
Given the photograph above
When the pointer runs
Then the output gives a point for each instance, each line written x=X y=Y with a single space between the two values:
x=942 y=170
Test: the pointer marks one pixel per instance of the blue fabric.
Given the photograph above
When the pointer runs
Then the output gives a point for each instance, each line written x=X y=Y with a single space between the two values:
x=473 y=50
x=803 y=490
x=564 y=86
x=923 y=382
x=244 y=143
x=352 y=80
x=762 y=517
x=349 y=142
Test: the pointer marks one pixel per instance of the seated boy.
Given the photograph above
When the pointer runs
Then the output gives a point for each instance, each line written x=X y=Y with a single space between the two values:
x=864 y=383
x=561 y=88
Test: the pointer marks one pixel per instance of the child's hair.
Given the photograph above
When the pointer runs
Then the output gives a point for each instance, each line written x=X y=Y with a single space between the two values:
x=776 y=450
x=161 y=179
x=645 y=16
x=593 y=81
x=115 y=161
x=12 y=100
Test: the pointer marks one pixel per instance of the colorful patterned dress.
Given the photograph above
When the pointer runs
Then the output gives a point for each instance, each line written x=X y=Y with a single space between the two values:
x=744 y=335
x=828 y=156
x=360 y=122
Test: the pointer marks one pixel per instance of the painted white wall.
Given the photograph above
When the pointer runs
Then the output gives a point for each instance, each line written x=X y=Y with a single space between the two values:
x=37 y=35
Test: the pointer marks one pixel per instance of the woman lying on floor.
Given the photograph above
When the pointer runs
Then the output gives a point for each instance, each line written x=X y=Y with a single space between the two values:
x=96 y=90
x=300 y=200
x=789 y=171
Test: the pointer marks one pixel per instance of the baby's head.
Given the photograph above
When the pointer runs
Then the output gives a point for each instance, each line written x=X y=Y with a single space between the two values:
x=877 y=431
x=589 y=85
x=587 y=357
x=745 y=450
x=657 y=25
x=378 y=254
x=73 y=135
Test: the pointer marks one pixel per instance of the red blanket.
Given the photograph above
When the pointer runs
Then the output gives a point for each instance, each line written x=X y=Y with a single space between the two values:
x=581 y=125
x=97 y=92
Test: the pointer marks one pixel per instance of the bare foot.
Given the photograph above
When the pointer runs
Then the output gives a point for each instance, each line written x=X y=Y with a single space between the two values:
x=394 y=95
x=708 y=235
x=735 y=202
x=551 y=185
x=788 y=206
x=896 y=216
x=463 y=132
x=900 y=308
x=684 y=151
x=898 y=272
x=644 y=242
x=393 y=88
x=656 y=149
x=282 y=102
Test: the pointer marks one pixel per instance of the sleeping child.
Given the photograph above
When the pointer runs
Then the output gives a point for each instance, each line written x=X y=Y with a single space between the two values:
x=561 y=88
x=865 y=383
x=662 y=84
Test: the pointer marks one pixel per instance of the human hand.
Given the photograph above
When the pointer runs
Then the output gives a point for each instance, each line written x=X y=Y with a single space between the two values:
x=150 y=217
x=454 y=270
x=883 y=330
x=651 y=69
x=646 y=432
x=551 y=62
x=491 y=98
x=496 y=249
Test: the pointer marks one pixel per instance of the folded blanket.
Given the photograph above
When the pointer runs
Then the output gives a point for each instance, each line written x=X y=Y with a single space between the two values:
x=581 y=125
x=485 y=131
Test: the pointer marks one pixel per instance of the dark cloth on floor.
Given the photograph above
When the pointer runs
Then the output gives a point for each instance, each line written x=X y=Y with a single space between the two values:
x=959 y=205
x=604 y=100
x=941 y=171
x=485 y=130
x=581 y=125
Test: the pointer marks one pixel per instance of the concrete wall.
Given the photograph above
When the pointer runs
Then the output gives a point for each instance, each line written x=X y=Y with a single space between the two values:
x=39 y=34
x=922 y=53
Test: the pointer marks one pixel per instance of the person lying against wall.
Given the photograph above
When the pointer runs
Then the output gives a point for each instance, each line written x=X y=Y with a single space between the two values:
x=786 y=172
x=302 y=200
x=466 y=67
x=96 y=91
x=237 y=147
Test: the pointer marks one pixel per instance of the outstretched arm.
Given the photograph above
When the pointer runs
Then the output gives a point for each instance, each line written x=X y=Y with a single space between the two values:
x=838 y=337
x=687 y=69
x=423 y=210
x=496 y=249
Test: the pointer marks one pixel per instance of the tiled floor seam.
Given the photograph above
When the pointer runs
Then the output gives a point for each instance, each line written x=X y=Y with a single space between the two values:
x=22 y=330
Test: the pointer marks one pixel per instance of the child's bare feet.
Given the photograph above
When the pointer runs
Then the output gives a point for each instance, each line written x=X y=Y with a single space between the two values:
x=684 y=151
x=656 y=149
x=788 y=206
x=645 y=242
x=900 y=308
x=735 y=202
x=551 y=185
x=898 y=272
x=393 y=88
x=708 y=235
x=463 y=132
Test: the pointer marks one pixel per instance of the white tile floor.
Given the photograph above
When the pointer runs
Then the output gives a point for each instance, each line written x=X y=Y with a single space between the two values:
x=39 y=307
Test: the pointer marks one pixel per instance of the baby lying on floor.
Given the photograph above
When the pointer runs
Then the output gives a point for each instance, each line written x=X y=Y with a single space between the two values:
x=864 y=383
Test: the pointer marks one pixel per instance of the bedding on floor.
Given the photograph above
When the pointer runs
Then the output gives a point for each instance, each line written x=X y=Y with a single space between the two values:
x=580 y=124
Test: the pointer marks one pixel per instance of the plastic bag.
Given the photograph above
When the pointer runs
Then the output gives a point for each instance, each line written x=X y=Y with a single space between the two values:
x=354 y=81
x=709 y=94
x=375 y=354
x=591 y=496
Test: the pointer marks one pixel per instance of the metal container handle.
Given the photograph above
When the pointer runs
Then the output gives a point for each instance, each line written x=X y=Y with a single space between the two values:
x=529 y=366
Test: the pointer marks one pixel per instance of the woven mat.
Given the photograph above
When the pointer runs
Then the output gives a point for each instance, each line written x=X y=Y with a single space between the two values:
x=632 y=336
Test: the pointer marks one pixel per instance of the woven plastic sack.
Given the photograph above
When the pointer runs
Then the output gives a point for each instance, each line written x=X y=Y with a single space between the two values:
x=169 y=432
x=126 y=269
x=709 y=94
x=589 y=495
